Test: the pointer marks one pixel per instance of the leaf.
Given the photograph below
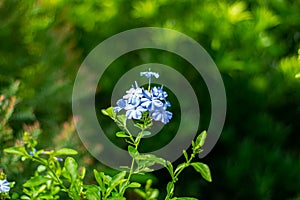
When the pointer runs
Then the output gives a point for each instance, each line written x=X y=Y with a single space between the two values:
x=203 y=169
x=35 y=181
x=65 y=151
x=201 y=139
x=16 y=150
x=169 y=167
x=146 y=133
x=92 y=192
x=98 y=177
x=179 y=167
x=71 y=167
x=170 y=188
x=134 y=185
x=116 y=198
x=185 y=155
x=117 y=178
x=122 y=119
x=109 y=112
x=121 y=134
x=184 y=198
x=151 y=157
x=132 y=151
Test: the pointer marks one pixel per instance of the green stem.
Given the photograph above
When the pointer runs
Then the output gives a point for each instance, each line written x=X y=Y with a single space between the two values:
x=136 y=144
x=175 y=177
x=37 y=159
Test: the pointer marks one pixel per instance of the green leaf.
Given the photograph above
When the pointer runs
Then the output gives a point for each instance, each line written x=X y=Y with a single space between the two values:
x=71 y=167
x=16 y=150
x=134 y=185
x=203 y=169
x=121 y=134
x=109 y=112
x=146 y=133
x=98 y=177
x=65 y=151
x=141 y=193
x=169 y=167
x=132 y=151
x=122 y=119
x=201 y=139
x=116 y=198
x=185 y=155
x=117 y=178
x=184 y=198
x=92 y=192
x=151 y=157
x=170 y=188
x=179 y=167
x=35 y=181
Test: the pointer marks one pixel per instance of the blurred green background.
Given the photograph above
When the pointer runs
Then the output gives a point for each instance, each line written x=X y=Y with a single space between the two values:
x=254 y=44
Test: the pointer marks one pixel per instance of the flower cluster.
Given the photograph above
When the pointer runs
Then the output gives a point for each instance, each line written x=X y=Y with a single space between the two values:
x=4 y=186
x=138 y=101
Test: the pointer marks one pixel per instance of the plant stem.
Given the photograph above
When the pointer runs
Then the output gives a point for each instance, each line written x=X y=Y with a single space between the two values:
x=175 y=177
x=136 y=144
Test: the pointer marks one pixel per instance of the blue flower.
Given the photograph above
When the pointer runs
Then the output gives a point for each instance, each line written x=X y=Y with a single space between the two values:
x=150 y=102
x=58 y=159
x=162 y=115
x=4 y=186
x=32 y=152
x=149 y=74
x=137 y=101
x=159 y=93
x=121 y=104
x=135 y=112
x=133 y=94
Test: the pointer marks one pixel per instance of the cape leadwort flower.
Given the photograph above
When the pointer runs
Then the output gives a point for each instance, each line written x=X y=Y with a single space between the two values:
x=137 y=101
x=4 y=186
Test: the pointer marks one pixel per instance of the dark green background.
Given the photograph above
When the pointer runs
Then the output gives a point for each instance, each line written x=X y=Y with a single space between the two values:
x=254 y=44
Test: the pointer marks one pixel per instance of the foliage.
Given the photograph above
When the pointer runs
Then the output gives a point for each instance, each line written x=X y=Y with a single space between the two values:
x=51 y=177
x=253 y=43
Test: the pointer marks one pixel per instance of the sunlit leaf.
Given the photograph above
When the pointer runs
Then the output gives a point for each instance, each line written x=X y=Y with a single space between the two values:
x=203 y=169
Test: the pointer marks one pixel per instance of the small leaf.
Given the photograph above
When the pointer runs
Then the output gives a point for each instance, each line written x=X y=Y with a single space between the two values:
x=109 y=112
x=116 y=198
x=92 y=192
x=179 y=167
x=185 y=155
x=16 y=150
x=151 y=157
x=141 y=193
x=117 y=178
x=35 y=181
x=169 y=167
x=71 y=167
x=201 y=139
x=121 y=134
x=65 y=151
x=170 y=188
x=132 y=151
x=203 y=169
x=122 y=119
x=146 y=133
x=184 y=198
x=98 y=177
x=134 y=185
